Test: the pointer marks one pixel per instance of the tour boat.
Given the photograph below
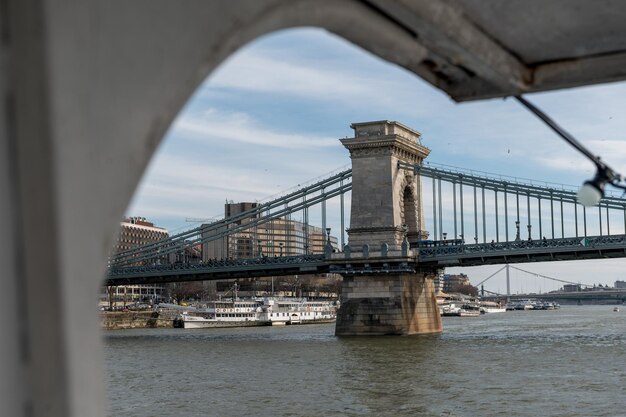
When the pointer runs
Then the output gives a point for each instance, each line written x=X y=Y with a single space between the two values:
x=491 y=307
x=469 y=310
x=466 y=310
x=266 y=311
x=449 y=310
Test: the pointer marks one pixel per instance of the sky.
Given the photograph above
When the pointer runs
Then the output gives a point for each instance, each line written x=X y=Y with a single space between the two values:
x=269 y=118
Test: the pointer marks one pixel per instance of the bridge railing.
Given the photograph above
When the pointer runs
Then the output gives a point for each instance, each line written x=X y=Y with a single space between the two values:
x=215 y=264
x=545 y=245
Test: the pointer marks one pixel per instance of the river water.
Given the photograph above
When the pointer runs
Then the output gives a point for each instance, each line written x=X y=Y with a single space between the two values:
x=568 y=362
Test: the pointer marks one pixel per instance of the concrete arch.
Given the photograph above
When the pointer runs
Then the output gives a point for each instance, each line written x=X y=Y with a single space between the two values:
x=90 y=88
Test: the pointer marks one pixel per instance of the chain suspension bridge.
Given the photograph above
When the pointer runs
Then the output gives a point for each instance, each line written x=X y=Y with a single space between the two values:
x=499 y=214
x=400 y=234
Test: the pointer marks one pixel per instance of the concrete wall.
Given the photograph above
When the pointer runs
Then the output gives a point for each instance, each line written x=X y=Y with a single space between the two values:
x=134 y=320
x=89 y=89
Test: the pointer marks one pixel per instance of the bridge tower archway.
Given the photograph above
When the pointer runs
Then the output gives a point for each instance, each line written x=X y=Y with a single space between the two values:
x=412 y=209
x=409 y=210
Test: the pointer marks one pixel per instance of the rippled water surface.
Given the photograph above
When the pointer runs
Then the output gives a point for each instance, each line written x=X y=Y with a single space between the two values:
x=570 y=362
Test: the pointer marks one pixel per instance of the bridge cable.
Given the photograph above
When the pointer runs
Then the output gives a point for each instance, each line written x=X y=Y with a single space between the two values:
x=490 y=276
x=550 y=278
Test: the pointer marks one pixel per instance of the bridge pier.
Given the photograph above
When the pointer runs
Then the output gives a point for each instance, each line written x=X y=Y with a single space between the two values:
x=396 y=304
x=397 y=297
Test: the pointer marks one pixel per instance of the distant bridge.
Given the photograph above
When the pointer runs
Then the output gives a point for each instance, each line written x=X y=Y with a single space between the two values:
x=608 y=296
x=584 y=293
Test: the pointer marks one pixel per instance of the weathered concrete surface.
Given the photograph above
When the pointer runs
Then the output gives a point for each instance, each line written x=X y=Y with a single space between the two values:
x=403 y=304
x=89 y=89
x=134 y=320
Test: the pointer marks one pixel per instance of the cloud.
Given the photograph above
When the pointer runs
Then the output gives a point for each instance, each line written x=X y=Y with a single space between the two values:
x=197 y=184
x=342 y=76
x=265 y=74
x=215 y=125
x=269 y=119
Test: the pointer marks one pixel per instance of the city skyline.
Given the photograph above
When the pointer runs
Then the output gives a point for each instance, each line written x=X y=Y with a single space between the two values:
x=270 y=118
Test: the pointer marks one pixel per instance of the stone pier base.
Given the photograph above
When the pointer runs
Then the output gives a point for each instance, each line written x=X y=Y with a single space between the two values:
x=373 y=305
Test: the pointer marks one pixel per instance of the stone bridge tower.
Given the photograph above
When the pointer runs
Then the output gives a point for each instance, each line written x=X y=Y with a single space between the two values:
x=386 y=201
x=384 y=289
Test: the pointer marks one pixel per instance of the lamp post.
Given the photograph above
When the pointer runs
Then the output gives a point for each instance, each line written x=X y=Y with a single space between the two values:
x=517 y=238
x=328 y=249
x=280 y=245
x=529 y=229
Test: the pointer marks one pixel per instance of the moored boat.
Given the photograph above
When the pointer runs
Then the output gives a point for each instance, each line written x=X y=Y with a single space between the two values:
x=491 y=307
x=469 y=310
x=468 y=313
x=267 y=311
x=451 y=309
x=465 y=310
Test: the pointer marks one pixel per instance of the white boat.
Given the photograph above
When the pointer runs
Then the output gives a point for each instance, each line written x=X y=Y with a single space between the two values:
x=266 y=311
x=521 y=305
x=469 y=310
x=491 y=307
x=449 y=310
x=468 y=313
x=615 y=308
x=466 y=310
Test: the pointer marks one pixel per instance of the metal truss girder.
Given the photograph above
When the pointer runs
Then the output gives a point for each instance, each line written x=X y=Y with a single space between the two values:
x=508 y=185
x=190 y=237
x=228 y=230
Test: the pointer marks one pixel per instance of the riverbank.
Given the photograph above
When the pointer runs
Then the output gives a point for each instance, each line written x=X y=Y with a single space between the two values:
x=119 y=320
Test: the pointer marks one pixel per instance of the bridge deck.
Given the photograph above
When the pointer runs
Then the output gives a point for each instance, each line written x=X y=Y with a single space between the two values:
x=594 y=247
x=566 y=249
x=218 y=270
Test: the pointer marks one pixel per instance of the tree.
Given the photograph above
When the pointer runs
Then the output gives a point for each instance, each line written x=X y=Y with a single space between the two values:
x=466 y=289
x=186 y=290
x=110 y=293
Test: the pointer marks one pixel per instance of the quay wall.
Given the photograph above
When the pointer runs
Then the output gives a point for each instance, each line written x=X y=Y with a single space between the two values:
x=117 y=320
